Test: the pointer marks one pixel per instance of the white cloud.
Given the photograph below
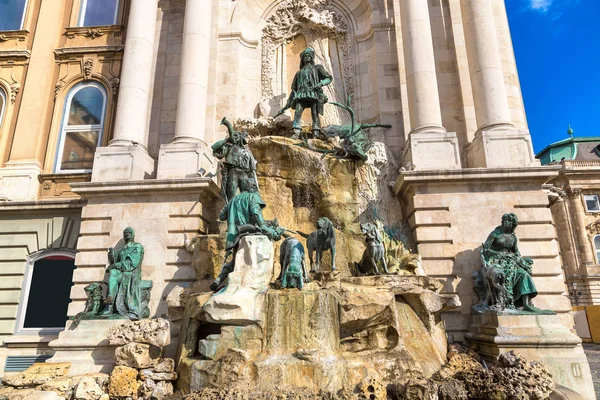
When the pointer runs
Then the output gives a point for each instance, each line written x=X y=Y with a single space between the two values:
x=540 y=5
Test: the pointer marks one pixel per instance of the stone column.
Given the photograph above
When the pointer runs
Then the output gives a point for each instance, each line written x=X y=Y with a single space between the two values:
x=126 y=156
x=497 y=143
x=185 y=155
x=485 y=66
x=193 y=81
x=429 y=145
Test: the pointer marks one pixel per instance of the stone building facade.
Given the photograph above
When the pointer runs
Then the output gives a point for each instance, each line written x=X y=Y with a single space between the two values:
x=108 y=117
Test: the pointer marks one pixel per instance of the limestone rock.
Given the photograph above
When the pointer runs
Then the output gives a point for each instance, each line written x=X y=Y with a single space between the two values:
x=38 y=374
x=62 y=386
x=242 y=300
x=88 y=388
x=162 y=390
x=11 y=393
x=372 y=389
x=151 y=331
x=421 y=389
x=166 y=365
x=157 y=376
x=41 y=395
x=123 y=382
x=248 y=338
x=137 y=355
x=451 y=389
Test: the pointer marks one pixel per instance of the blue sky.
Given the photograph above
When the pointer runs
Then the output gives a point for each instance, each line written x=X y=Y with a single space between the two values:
x=557 y=46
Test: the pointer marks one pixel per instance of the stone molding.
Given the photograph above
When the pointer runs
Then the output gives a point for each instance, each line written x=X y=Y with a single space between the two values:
x=474 y=175
x=183 y=185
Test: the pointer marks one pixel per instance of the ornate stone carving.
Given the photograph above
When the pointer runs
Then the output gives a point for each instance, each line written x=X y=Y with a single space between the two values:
x=114 y=84
x=556 y=194
x=93 y=33
x=57 y=89
x=88 y=65
x=574 y=192
x=14 y=91
x=318 y=23
x=594 y=229
x=3 y=38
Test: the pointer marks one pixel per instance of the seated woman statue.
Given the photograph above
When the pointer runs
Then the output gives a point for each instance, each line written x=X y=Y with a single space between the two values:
x=506 y=275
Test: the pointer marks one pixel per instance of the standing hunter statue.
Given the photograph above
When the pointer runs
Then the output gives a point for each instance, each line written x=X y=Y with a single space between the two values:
x=307 y=92
x=237 y=163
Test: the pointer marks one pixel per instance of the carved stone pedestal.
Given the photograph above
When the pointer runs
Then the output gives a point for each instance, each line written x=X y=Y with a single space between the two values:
x=184 y=160
x=501 y=149
x=242 y=301
x=86 y=347
x=432 y=150
x=543 y=338
x=119 y=163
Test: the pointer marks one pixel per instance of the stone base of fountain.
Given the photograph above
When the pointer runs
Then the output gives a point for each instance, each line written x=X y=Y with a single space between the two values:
x=331 y=336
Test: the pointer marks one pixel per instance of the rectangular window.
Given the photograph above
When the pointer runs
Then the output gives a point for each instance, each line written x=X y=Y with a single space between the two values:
x=12 y=13
x=592 y=203
x=98 y=12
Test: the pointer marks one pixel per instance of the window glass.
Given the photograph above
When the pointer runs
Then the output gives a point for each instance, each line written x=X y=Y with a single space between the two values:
x=11 y=14
x=592 y=203
x=86 y=107
x=597 y=246
x=98 y=12
x=49 y=292
x=82 y=128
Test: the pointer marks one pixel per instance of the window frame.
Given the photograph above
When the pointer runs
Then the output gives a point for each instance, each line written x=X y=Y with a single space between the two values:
x=22 y=18
x=64 y=126
x=26 y=287
x=3 y=108
x=83 y=9
x=585 y=200
x=597 y=249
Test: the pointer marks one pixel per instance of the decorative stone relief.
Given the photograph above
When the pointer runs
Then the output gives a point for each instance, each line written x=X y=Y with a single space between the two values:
x=14 y=91
x=114 y=84
x=321 y=26
x=88 y=64
x=93 y=33
x=594 y=229
x=556 y=194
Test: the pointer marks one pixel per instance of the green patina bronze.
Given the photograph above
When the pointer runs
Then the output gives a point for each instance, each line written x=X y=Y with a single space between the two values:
x=126 y=296
x=307 y=92
x=355 y=141
x=237 y=161
x=504 y=284
x=244 y=217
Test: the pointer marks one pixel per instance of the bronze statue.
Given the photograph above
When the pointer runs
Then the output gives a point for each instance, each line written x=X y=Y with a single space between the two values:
x=293 y=266
x=125 y=285
x=307 y=92
x=319 y=241
x=504 y=283
x=355 y=141
x=374 y=254
x=237 y=163
x=93 y=304
x=244 y=217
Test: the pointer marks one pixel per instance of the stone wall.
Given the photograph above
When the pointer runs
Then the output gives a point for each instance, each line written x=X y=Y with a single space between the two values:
x=42 y=230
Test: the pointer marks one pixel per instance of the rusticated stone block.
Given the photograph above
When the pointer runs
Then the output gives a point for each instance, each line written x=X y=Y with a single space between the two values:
x=124 y=383
x=151 y=331
x=137 y=355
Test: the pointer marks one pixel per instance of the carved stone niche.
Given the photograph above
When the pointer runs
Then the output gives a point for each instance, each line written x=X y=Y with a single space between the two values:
x=58 y=185
x=295 y=25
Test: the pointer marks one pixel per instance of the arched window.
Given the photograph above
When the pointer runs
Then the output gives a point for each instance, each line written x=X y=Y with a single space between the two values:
x=46 y=291
x=2 y=105
x=98 y=12
x=12 y=14
x=597 y=247
x=82 y=127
